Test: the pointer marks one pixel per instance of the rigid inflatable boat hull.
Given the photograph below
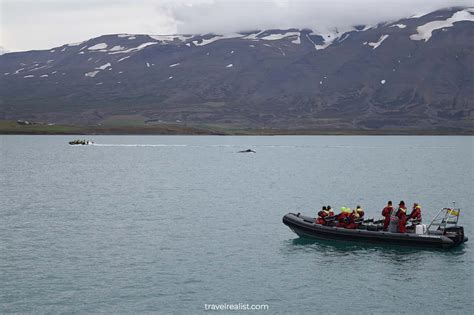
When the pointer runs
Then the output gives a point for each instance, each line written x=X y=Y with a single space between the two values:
x=305 y=227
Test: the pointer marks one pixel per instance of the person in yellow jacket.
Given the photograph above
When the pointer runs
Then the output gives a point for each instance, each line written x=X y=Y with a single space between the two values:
x=360 y=211
x=343 y=217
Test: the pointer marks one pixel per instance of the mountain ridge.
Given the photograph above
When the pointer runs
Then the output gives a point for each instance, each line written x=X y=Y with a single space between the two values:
x=414 y=73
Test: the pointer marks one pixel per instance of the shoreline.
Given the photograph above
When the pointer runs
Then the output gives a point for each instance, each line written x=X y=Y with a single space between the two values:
x=13 y=128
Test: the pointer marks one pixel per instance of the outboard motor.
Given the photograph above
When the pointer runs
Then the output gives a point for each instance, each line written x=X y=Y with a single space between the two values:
x=455 y=233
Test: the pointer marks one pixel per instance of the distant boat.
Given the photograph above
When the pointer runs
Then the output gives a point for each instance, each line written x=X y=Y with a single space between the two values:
x=81 y=142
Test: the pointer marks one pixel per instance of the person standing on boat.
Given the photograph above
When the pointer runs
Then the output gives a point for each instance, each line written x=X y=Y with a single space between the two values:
x=387 y=212
x=402 y=217
x=415 y=214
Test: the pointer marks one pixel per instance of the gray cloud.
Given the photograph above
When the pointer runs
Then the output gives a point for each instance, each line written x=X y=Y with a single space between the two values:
x=232 y=15
x=42 y=24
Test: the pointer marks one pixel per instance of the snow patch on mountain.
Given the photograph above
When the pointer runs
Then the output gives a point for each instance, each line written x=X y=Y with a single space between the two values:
x=399 y=25
x=214 y=38
x=329 y=37
x=135 y=49
x=3 y=50
x=281 y=36
x=379 y=42
x=425 y=31
x=170 y=38
x=91 y=74
x=105 y=66
x=253 y=36
x=37 y=68
x=117 y=48
x=122 y=59
x=74 y=44
x=98 y=46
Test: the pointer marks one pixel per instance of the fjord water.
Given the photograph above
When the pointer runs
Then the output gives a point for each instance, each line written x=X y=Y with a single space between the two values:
x=170 y=223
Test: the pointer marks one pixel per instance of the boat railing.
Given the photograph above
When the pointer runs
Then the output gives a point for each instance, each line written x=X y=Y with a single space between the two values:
x=445 y=217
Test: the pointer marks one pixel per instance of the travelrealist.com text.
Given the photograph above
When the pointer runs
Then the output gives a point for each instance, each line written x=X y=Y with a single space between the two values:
x=236 y=307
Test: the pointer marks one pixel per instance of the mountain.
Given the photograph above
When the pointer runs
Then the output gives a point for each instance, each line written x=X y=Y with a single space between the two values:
x=413 y=74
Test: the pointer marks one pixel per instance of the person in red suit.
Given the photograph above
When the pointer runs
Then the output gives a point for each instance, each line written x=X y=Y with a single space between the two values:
x=352 y=218
x=415 y=214
x=343 y=217
x=331 y=212
x=387 y=212
x=321 y=215
x=402 y=217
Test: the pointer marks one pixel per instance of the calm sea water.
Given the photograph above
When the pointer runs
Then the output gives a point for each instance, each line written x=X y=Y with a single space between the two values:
x=170 y=223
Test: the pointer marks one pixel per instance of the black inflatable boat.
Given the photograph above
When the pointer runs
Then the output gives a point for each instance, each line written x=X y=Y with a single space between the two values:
x=446 y=235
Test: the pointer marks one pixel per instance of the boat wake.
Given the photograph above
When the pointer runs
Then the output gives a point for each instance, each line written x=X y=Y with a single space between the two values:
x=138 y=145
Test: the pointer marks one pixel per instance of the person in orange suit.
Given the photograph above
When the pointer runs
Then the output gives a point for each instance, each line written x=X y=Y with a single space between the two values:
x=402 y=217
x=321 y=215
x=415 y=214
x=387 y=212
x=352 y=220
x=343 y=217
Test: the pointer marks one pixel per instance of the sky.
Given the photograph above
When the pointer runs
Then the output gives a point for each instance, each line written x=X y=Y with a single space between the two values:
x=43 y=24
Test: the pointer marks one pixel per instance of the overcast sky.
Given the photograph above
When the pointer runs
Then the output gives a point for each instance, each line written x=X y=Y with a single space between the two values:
x=43 y=24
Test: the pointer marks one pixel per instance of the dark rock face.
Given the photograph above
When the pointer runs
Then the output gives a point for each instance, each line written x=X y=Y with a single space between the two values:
x=393 y=75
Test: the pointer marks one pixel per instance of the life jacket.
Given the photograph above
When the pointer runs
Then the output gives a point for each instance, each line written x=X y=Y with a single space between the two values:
x=323 y=213
x=401 y=213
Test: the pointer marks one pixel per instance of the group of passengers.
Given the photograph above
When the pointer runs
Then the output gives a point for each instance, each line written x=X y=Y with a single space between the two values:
x=388 y=212
x=351 y=218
